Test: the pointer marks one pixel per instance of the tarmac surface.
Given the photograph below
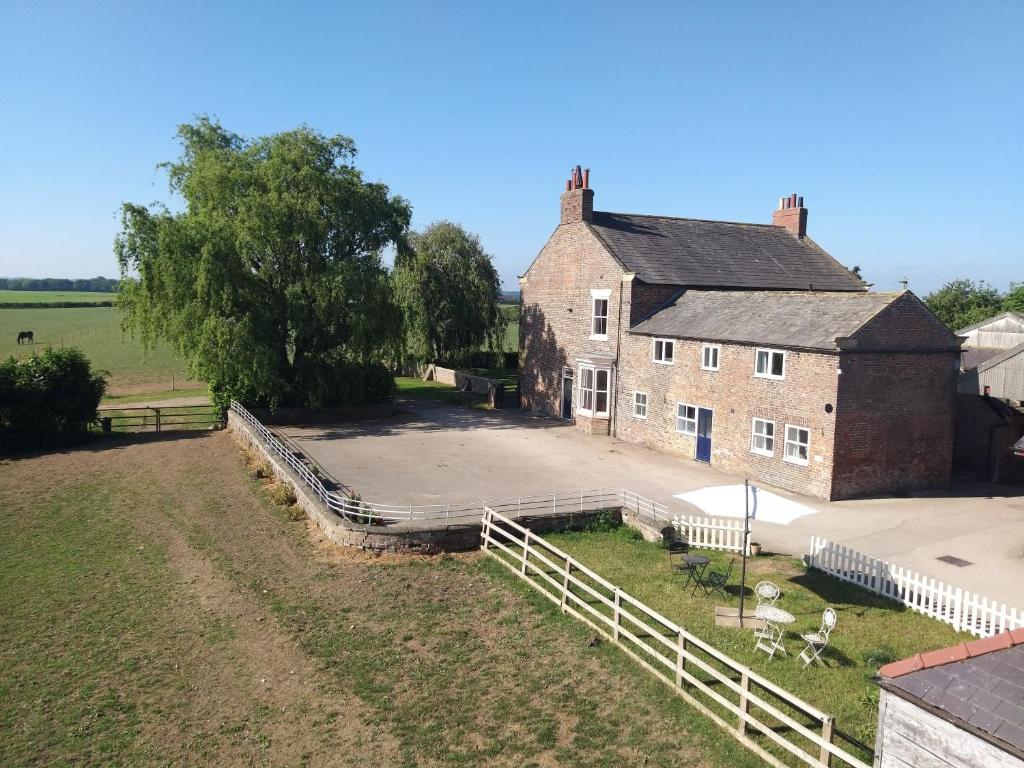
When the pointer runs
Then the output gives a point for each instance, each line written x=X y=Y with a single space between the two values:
x=437 y=454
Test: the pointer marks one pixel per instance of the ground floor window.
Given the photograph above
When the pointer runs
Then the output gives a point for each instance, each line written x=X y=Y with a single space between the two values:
x=686 y=419
x=762 y=437
x=594 y=390
x=798 y=444
x=640 y=405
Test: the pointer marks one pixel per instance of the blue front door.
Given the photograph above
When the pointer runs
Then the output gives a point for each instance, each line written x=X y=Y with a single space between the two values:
x=704 y=434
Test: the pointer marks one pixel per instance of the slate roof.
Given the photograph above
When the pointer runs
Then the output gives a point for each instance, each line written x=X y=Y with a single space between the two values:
x=721 y=254
x=977 y=685
x=773 y=318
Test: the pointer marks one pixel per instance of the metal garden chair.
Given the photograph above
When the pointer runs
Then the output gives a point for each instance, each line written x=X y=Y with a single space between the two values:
x=675 y=545
x=816 y=641
x=716 y=581
x=767 y=593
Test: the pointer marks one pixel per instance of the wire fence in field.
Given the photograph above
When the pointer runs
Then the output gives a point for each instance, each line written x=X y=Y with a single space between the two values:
x=778 y=726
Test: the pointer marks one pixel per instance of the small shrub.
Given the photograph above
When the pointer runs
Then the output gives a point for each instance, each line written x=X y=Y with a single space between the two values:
x=604 y=521
x=281 y=494
x=296 y=513
x=263 y=471
x=878 y=657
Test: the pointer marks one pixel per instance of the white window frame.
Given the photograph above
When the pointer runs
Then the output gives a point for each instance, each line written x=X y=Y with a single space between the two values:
x=654 y=351
x=637 y=405
x=593 y=391
x=596 y=295
x=768 y=438
x=705 y=348
x=767 y=374
x=785 y=449
x=686 y=419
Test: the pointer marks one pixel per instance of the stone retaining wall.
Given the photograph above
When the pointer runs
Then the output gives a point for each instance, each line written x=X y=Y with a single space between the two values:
x=461 y=380
x=394 y=538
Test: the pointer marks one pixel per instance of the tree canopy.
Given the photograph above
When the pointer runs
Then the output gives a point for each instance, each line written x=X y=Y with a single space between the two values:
x=449 y=292
x=269 y=281
x=960 y=303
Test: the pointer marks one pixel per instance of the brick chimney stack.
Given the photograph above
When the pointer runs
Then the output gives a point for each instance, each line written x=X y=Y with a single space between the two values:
x=792 y=215
x=578 y=198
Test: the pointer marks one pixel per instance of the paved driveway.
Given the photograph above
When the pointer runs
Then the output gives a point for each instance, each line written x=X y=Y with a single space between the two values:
x=441 y=454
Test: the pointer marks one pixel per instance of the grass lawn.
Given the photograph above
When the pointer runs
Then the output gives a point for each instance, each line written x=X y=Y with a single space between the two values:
x=417 y=389
x=166 y=394
x=511 y=312
x=871 y=631
x=97 y=332
x=21 y=297
x=156 y=608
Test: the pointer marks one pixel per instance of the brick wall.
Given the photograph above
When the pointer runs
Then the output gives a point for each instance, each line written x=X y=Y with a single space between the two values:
x=894 y=422
x=555 y=324
x=736 y=396
x=646 y=298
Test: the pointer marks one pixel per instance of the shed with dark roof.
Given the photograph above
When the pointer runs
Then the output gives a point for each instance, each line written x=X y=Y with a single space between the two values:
x=961 y=706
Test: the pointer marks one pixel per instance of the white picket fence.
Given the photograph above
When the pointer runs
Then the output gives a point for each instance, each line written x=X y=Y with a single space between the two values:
x=965 y=611
x=723 y=533
x=779 y=727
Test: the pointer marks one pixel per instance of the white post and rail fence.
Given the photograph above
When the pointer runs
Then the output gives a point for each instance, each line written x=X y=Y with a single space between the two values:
x=779 y=727
x=964 y=611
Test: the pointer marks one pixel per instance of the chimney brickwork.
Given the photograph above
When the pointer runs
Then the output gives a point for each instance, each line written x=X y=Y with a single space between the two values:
x=578 y=198
x=792 y=215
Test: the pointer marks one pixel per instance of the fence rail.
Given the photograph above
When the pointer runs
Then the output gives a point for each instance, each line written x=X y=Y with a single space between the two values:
x=157 y=419
x=965 y=611
x=754 y=710
x=723 y=533
x=370 y=512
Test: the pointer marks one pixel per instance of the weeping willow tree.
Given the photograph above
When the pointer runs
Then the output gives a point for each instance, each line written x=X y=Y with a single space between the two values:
x=268 y=278
x=449 y=292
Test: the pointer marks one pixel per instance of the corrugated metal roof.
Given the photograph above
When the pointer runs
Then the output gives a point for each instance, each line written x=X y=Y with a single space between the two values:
x=699 y=253
x=810 y=320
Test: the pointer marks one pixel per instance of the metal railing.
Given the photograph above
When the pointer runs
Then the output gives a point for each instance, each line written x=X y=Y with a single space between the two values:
x=369 y=512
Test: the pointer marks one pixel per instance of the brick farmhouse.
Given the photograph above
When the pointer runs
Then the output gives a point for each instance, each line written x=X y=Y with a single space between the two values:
x=746 y=346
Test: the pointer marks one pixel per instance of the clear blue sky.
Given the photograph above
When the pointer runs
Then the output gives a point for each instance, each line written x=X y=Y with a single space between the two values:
x=900 y=123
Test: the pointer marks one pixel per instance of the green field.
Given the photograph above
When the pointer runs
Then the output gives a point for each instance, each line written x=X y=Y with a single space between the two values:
x=511 y=312
x=23 y=297
x=97 y=332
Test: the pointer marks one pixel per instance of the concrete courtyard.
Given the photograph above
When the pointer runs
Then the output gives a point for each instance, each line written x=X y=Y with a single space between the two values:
x=435 y=454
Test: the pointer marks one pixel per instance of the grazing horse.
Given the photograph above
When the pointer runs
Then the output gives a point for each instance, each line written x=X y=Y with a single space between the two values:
x=26 y=336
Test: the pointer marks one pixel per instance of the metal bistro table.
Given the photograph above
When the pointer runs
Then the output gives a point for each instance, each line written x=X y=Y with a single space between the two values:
x=774 y=619
x=695 y=567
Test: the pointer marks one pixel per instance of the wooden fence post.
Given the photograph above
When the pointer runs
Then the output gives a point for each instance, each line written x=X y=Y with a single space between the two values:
x=617 y=615
x=681 y=660
x=741 y=728
x=826 y=733
x=565 y=583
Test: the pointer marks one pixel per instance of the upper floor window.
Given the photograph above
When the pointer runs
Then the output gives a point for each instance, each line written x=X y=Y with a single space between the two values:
x=762 y=437
x=686 y=419
x=599 y=314
x=594 y=390
x=640 y=405
x=664 y=351
x=770 y=364
x=798 y=444
x=709 y=357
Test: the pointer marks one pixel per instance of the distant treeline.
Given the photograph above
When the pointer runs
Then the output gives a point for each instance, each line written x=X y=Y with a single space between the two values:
x=53 y=304
x=93 y=284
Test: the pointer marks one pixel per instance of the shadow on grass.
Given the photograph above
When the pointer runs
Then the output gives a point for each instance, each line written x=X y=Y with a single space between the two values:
x=834 y=591
x=95 y=442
